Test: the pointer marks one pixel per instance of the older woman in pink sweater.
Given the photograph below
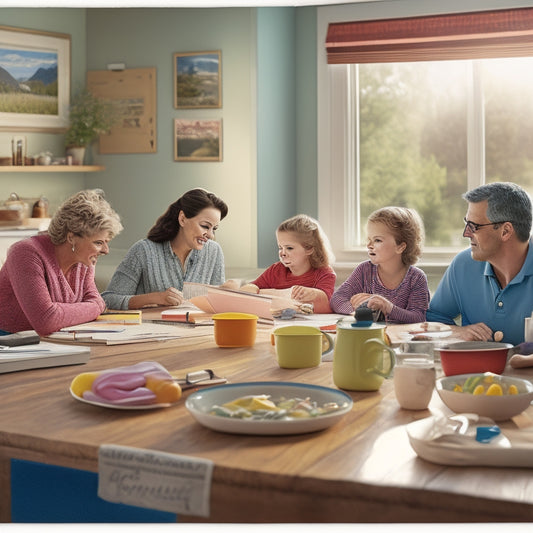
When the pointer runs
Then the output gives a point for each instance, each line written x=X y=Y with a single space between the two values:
x=47 y=281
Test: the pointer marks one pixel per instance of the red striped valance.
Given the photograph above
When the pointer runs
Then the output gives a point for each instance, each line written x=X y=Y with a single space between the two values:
x=484 y=34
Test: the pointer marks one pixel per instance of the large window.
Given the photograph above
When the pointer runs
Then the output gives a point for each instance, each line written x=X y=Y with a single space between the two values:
x=419 y=111
x=415 y=139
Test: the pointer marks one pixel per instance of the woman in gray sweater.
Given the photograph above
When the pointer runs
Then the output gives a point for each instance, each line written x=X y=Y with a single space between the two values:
x=178 y=248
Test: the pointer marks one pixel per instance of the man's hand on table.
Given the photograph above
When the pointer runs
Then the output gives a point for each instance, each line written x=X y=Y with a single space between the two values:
x=472 y=332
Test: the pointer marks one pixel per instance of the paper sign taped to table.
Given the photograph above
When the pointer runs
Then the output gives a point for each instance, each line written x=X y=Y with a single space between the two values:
x=154 y=480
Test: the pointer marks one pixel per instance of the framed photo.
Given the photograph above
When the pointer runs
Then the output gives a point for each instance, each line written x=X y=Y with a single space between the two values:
x=34 y=80
x=197 y=140
x=197 y=80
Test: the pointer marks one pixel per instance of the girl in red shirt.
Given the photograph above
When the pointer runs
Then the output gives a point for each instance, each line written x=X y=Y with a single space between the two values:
x=304 y=266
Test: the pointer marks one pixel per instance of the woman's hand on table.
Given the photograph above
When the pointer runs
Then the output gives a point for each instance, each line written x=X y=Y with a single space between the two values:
x=171 y=297
x=233 y=284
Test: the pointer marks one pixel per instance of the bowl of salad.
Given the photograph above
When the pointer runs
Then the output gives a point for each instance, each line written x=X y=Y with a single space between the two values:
x=268 y=407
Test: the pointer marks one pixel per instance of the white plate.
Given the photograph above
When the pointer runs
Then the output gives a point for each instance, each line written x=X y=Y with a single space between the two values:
x=200 y=403
x=122 y=407
x=511 y=448
x=431 y=334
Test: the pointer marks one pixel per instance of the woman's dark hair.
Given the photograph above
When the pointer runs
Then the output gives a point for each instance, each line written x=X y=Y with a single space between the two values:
x=191 y=203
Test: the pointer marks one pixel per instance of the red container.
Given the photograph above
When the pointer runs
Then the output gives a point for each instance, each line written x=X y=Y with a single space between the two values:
x=473 y=357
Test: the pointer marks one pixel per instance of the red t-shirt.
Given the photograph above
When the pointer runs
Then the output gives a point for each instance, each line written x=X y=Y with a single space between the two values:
x=278 y=276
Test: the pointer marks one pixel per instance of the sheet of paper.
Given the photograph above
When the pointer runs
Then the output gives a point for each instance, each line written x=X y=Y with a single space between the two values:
x=154 y=480
x=190 y=290
x=128 y=334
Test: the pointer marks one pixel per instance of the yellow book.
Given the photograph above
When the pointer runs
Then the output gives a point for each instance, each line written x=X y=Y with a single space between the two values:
x=120 y=317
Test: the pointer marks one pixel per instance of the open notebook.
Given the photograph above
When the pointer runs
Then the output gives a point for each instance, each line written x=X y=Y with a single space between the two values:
x=211 y=299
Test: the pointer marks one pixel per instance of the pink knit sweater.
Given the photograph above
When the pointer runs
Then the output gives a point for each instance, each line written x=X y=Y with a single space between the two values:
x=35 y=294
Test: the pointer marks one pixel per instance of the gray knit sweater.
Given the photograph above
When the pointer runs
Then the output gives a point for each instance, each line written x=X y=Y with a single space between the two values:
x=153 y=267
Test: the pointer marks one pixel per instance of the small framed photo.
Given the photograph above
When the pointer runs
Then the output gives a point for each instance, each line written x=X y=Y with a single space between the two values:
x=197 y=140
x=35 y=79
x=197 y=80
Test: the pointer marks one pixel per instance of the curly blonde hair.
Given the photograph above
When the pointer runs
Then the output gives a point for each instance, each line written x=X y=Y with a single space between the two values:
x=84 y=214
x=406 y=226
x=311 y=235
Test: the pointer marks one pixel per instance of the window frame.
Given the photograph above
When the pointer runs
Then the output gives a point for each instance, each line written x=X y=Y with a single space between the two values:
x=336 y=166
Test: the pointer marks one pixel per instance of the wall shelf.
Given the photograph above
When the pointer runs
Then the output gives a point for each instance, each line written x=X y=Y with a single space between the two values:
x=52 y=168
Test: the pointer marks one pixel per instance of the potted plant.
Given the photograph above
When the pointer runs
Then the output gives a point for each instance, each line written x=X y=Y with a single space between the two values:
x=89 y=117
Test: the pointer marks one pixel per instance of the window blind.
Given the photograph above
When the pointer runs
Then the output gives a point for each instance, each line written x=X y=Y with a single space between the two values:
x=484 y=34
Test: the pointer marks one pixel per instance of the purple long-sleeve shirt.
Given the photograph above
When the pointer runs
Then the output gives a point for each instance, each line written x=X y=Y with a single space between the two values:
x=410 y=299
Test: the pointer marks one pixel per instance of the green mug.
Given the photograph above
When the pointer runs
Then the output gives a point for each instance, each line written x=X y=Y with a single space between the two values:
x=359 y=357
x=301 y=346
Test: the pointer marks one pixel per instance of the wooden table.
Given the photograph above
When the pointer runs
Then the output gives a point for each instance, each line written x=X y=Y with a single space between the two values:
x=360 y=470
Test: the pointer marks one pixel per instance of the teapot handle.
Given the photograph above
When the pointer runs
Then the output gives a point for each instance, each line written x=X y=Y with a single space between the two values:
x=392 y=359
x=327 y=343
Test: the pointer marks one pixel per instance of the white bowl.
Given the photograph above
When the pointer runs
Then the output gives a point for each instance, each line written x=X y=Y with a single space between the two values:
x=201 y=402
x=494 y=407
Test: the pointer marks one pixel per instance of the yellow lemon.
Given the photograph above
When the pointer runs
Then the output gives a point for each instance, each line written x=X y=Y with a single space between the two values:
x=479 y=390
x=166 y=391
x=252 y=403
x=83 y=382
x=299 y=413
x=458 y=388
x=512 y=389
x=495 y=390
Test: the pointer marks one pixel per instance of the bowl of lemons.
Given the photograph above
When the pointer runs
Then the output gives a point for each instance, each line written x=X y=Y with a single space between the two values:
x=492 y=395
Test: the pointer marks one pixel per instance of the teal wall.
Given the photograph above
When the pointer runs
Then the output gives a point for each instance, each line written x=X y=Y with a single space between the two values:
x=268 y=113
x=306 y=112
x=276 y=125
x=141 y=186
x=286 y=121
x=55 y=186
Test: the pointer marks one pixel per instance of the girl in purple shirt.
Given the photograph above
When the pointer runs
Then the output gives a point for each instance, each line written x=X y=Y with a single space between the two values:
x=388 y=283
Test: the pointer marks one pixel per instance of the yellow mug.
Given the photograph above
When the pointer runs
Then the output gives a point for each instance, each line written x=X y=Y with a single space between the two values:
x=358 y=360
x=301 y=346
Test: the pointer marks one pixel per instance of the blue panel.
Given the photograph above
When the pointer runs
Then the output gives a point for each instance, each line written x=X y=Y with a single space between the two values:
x=54 y=494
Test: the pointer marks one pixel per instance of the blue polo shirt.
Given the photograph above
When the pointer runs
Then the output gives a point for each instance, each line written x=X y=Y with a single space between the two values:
x=470 y=289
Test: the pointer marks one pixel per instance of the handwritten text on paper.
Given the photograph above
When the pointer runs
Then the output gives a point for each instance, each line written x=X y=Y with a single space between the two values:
x=156 y=480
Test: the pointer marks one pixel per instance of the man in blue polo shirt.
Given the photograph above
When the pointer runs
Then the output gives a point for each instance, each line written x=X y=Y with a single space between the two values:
x=490 y=285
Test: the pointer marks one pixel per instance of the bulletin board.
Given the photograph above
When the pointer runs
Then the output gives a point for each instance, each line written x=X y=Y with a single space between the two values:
x=133 y=95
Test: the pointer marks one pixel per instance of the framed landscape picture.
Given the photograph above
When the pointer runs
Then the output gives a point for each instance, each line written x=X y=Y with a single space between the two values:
x=34 y=80
x=197 y=140
x=197 y=80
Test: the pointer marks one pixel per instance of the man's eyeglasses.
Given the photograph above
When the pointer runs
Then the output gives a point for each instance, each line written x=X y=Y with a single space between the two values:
x=473 y=227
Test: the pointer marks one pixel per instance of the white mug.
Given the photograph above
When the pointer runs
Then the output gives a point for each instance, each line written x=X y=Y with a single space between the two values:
x=528 y=329
x=414 y=381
